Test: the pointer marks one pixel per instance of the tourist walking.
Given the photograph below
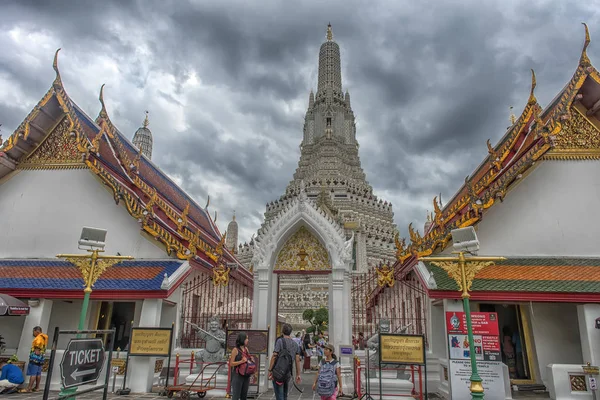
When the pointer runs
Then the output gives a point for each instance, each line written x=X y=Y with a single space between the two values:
x=329 y=376
x=280 y=369
x=244 y=367
x=36 y=359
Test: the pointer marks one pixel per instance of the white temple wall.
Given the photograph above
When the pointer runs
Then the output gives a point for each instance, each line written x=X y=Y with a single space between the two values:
x=43 y=215
x=65 y=315
x=552 y=211
x=556 y=335
x=10 y=329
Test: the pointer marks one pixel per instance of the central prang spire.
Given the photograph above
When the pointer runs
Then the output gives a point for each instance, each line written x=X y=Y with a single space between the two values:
x=330 y=71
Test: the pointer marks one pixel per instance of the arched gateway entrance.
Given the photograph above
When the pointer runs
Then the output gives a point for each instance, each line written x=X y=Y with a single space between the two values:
x=301 y=214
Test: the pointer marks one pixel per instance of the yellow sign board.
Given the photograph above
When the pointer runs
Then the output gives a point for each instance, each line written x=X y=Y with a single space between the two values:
x=401 y=349
x=150 y=342
x=118 y=365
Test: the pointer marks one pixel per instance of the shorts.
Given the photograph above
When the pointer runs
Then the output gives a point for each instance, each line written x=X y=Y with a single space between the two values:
x=34 y=370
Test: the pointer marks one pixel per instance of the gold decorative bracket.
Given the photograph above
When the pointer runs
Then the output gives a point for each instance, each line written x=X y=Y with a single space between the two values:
x=463 y=269
x=92 y=265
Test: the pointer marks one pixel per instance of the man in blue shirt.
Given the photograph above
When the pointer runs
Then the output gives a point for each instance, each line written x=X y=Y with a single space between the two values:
x=10 y=378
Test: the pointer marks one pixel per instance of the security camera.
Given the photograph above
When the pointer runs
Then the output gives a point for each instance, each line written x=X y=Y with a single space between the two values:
x=465 y=240
x=92 y=237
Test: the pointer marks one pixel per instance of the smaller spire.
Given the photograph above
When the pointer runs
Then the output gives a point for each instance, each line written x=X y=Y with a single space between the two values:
x=513 y=118
x=146 y=122
x=329 y=33
x=234 y=215
x=311 y=99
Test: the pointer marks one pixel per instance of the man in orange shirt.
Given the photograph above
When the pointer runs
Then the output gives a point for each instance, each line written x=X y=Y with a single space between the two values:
x=36 y=358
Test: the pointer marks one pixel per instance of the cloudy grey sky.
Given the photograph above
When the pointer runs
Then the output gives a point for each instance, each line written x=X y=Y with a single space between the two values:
x=227 y=82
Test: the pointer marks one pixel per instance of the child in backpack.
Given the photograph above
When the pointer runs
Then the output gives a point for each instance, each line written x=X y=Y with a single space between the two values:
x=329 y=376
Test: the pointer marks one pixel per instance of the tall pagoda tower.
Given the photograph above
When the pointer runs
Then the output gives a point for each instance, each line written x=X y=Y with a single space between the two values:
x=330 y=170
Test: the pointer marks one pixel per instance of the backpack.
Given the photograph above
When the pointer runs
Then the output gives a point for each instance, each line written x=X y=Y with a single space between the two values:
x=249 y=367
x=282 y=370
x=327 y=381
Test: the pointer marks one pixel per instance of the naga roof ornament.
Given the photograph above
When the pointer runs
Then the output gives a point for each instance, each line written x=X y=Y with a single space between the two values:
x=584 y=57
x=555 y=133
x=57 y=80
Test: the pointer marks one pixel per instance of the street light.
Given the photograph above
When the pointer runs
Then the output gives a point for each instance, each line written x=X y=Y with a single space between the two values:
x=463 y=270
x=91 y=265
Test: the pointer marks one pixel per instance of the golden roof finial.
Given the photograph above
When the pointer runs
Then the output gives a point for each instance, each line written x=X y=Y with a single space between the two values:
x=146 y=122
x=329 y=32
x=584 y=57
x=103 y=113
x=513 y=118
x=532 y=98
x=57 y=80
x=234 y=215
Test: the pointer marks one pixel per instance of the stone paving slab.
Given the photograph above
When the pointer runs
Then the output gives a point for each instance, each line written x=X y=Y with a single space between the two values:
x=294 y=395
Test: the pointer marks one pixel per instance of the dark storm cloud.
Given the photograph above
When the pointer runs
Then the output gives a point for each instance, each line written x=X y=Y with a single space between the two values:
x=227 y=83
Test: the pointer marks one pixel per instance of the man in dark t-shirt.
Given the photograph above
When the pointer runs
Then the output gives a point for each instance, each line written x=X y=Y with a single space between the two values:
x=281 y=389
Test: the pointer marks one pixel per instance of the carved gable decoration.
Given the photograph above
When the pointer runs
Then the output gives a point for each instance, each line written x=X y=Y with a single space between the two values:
x=302 y=252
x=58 y=149
x=578 y=138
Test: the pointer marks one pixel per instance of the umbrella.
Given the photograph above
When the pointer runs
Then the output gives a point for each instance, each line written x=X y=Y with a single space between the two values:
x=11 y=306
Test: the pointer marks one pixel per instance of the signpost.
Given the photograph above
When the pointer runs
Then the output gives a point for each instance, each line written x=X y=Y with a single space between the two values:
x=403 y=349
x=486 y=347
x=149 y=342
x=82 y=362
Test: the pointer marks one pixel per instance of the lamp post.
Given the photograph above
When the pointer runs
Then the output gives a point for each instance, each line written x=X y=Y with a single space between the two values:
x=91 y=266
x=463 y=270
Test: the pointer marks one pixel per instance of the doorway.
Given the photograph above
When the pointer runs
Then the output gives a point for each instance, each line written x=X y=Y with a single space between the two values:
x=515 y=341
x=117 y=315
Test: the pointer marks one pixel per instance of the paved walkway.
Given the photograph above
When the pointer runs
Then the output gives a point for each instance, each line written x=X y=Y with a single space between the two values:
x=305 y=387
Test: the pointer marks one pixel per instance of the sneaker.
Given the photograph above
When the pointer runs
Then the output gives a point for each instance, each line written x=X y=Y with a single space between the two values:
x=10 y=390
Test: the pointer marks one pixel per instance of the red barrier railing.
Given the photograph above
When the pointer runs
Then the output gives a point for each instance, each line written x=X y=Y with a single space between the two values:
x=416 y=378
x=201 y=383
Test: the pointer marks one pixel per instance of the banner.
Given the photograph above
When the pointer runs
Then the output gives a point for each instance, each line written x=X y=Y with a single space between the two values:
x=486 y=341
x=486 y=336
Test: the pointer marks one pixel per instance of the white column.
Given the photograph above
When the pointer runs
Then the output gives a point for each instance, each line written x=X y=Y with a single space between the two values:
x=260 y=309
x=39 y=315
x=340 y=326
x=590 y=336
x=141 y=369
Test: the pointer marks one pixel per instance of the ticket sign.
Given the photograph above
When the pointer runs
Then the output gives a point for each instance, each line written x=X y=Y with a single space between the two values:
x=258 y=340
x=82 y=362
x=155 y=342
x=401 y=349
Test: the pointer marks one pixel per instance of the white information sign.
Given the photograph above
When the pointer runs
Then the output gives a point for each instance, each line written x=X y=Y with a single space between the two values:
x=490 y=373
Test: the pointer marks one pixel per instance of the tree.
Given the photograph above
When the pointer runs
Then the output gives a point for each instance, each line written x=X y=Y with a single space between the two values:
x=318 y=319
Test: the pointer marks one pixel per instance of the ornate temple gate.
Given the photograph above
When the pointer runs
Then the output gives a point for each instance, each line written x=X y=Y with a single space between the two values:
x=377 y=294
x=208 y=295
